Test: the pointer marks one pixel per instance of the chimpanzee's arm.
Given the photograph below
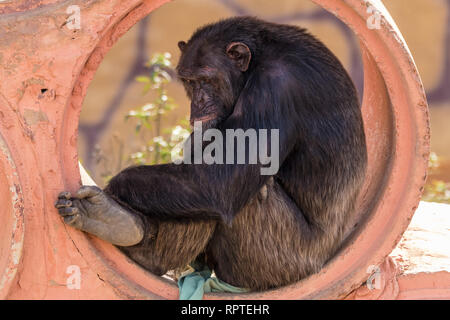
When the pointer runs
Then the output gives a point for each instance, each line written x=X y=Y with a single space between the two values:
x=191 y=191
x=186 y=191
x=218 y=191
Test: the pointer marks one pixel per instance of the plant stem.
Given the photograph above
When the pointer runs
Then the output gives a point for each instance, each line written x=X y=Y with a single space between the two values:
x=158 y=121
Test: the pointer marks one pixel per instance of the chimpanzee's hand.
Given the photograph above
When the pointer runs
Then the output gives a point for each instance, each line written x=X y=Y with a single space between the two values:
x=92 y=211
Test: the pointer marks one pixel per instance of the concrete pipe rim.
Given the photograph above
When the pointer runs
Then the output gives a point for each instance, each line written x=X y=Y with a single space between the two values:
x=12 y=218
x=400 y=194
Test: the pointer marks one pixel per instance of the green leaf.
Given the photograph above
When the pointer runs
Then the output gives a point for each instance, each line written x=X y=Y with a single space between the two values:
x=143 y=79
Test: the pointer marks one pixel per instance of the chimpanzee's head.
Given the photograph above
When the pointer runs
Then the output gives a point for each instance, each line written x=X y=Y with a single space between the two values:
x=213 y=74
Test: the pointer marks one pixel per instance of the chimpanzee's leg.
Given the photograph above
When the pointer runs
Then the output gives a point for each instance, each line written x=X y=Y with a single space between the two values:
x=157 y=246
x=175 y=245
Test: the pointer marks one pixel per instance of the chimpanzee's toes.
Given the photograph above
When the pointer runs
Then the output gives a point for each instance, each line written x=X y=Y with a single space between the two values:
x=87 y=192
x=65 y=205
x=74 y=220
x=62 y=203
x=68 y=211
x=64 y=195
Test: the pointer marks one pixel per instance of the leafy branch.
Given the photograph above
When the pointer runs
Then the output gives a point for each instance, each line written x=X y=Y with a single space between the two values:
x=149 y=117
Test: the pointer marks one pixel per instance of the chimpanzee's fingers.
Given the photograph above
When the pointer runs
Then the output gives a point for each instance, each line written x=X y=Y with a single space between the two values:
x=87 y=192
x=68 y=211
x=60 y=203
x=64 y=195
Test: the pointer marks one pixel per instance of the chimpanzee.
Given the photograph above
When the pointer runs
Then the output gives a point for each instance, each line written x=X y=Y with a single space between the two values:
x=256 y=231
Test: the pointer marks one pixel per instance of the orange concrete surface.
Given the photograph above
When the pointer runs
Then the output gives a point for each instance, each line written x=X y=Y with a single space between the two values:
x=46 y=68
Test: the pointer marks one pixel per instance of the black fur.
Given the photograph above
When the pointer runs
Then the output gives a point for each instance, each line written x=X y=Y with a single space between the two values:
x=257 y=231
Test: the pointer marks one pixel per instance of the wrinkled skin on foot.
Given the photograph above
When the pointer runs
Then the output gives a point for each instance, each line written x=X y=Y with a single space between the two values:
x=92 y=211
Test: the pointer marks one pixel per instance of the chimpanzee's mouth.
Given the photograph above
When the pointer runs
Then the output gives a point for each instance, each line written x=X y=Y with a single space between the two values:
x=201 y=119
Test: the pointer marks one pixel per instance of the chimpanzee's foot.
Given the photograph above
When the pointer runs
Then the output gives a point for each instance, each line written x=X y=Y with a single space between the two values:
x=92 y=211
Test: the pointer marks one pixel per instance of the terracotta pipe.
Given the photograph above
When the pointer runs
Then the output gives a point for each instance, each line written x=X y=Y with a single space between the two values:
x=46 y=69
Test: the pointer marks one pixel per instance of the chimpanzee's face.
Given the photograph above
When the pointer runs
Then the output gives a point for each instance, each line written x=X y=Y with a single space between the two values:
x=212 y=81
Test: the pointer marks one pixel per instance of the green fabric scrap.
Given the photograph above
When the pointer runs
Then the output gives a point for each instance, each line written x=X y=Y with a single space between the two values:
x=192 y=286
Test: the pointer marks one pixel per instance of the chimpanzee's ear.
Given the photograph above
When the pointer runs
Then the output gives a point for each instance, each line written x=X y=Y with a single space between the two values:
x=181 y=45
x=240 y=53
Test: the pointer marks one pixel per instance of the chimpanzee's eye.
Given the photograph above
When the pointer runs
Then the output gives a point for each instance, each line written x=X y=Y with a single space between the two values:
x=186 y=81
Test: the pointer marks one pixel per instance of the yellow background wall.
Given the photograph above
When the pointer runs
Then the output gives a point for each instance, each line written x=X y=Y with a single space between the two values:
x=425 y=25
